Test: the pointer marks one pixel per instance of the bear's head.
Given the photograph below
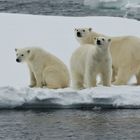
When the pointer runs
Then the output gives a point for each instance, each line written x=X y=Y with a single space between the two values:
x=23 y=54
x=83 y=35
x=102 y=42
x=82 y=32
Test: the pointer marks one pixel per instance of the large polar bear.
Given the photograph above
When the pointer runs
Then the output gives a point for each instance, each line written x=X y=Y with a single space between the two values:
x=125 y=51
x=45 y=69
x=90 y=60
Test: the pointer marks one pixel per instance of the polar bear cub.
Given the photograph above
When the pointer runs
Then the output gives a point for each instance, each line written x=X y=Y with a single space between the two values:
x=99 y=61
x=45 y=69
x=90 y=60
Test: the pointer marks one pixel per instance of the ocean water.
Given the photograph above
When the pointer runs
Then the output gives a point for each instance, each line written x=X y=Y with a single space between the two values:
x=66 y=124
x=70 y=125
x=121 y=8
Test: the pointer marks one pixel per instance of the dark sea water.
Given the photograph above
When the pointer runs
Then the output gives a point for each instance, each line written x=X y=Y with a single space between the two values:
x=120 y=8
x=69 y=124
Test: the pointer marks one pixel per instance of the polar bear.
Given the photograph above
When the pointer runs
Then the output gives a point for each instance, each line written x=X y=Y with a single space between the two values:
x=84 y=35
x=90 y=60
x=125 y=52
x=45 y=69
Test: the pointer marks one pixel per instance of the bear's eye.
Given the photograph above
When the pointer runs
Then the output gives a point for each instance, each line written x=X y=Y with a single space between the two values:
x=22 y=55
x=103 y=39
x=83 y=30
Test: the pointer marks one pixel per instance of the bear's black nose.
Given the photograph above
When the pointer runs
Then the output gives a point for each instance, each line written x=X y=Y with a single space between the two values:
x=17 y=60
x=98 y=42
x=79 y=34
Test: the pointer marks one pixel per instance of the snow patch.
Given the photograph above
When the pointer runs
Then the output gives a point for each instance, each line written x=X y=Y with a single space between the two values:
x=104 y=97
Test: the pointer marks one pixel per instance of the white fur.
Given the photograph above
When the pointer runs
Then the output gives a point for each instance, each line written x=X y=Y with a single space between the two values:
x=88 y=61
x=45 y=69
x=125 y=52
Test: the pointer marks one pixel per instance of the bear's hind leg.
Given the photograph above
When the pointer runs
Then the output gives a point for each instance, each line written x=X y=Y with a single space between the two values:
x=123 y=76
x=138 y=78
x=54 y=78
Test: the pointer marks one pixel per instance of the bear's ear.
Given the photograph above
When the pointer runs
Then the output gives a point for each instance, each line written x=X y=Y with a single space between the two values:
x=28 y=51
x=16 y=49
x=90 y=29
x=109 y=40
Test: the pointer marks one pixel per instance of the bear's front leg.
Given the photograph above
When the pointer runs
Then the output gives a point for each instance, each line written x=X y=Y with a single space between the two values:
x=32 y=80
x=114 y=73
x=91 y=81
x=106 y=78
x=32 y=77
x=39 y=81
x=90 y=78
